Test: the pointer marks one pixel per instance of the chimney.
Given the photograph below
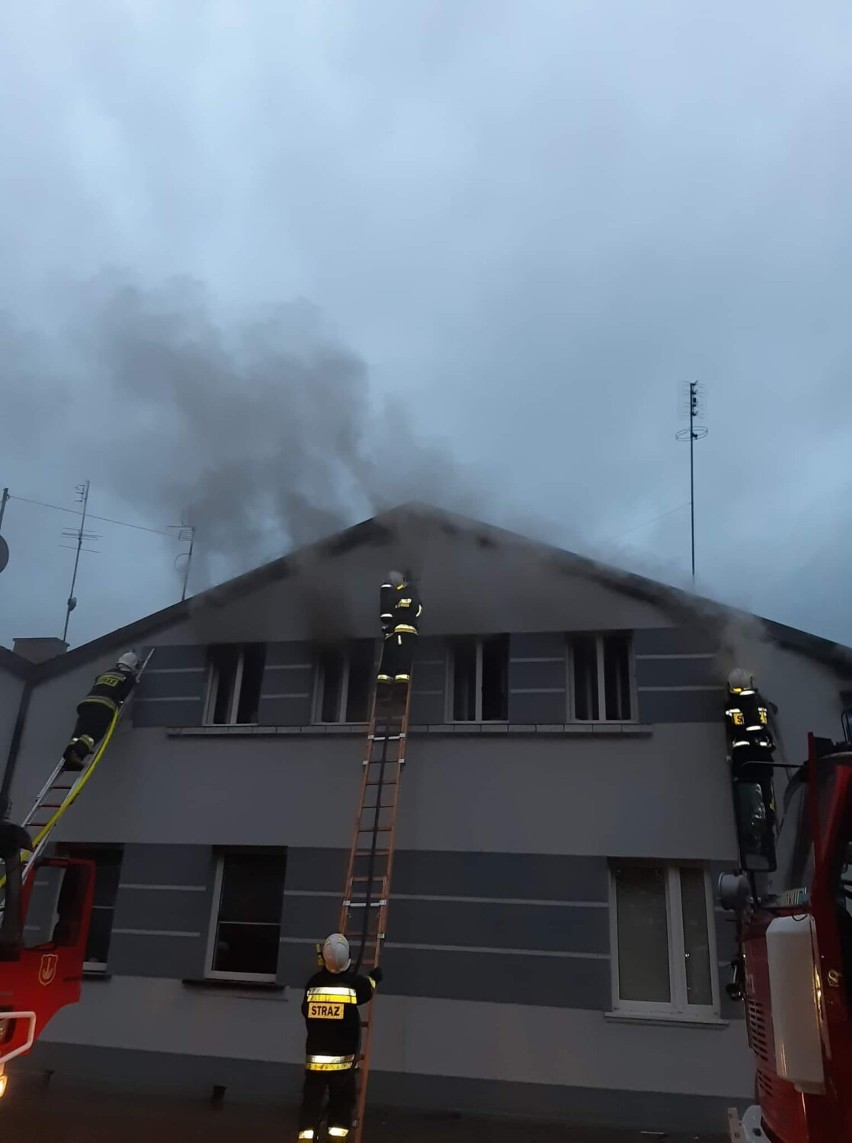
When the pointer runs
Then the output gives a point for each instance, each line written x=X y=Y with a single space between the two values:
x=40 y=650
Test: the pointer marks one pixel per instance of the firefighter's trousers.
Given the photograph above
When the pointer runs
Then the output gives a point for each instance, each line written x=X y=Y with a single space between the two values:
x=397 y=657
x=93 y=719
x=341 y=1099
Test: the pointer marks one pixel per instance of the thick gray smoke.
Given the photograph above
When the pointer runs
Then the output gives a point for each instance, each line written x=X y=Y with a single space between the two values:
x=259 y=429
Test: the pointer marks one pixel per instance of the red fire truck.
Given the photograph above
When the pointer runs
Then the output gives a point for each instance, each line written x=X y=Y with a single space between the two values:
x=43 y=937
x=794 y=968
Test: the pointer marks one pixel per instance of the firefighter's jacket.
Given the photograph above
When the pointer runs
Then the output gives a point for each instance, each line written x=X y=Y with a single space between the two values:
x=110 y=689
x=330 y=1009
x=747 y=721
x=401 y=608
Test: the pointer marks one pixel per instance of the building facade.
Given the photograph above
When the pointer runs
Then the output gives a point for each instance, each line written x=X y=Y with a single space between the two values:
x=553 y=949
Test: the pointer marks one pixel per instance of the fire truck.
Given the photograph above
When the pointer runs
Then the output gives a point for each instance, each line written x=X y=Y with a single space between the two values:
x=792 y=902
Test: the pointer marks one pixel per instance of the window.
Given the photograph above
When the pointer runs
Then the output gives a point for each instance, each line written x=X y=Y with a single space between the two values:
x=663 y=942
x=107 y=875
x=345 y=682
x=479 y=679
x=236 y=673
x=246 y=928
x=601 y=678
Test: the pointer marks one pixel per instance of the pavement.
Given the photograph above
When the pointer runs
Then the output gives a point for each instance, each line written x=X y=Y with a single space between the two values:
x=33 y=1113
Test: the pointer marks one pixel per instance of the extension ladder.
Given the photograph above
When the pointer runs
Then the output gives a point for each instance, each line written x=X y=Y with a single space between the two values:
x=363 y=916
x=62 y=789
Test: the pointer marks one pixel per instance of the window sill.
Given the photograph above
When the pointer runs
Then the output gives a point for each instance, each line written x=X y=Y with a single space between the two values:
x=714 y=1024
x=216 y=985
x=348 y=729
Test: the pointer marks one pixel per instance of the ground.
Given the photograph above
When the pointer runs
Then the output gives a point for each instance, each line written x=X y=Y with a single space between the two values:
x=31 y=1113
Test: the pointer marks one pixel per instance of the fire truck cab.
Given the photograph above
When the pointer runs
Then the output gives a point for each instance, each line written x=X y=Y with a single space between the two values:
x=43 y=938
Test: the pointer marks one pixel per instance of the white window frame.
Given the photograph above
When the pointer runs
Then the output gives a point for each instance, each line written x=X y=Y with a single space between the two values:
x=450 y=675
x=677 y=1008
x=215 y=974
x=213 y=690
x=570 y=673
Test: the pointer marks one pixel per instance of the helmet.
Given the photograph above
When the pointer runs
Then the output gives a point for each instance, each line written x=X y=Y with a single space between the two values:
x=396 y=578
x=130 y=661
x=335 y=953
x=739 y=679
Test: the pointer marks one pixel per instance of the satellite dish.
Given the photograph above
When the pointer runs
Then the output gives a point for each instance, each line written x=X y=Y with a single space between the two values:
x=4 y=553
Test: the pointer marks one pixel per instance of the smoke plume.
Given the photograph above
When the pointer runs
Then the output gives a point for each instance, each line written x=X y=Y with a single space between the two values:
x=260 y=429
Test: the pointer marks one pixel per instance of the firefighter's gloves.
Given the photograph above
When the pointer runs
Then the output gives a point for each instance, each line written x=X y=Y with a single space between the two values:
x=376 y=974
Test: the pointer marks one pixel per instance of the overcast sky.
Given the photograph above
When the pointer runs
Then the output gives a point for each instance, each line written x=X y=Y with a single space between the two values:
x=523 y=224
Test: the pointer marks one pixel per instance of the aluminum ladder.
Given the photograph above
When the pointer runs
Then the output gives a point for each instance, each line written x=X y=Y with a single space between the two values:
x=62 y=789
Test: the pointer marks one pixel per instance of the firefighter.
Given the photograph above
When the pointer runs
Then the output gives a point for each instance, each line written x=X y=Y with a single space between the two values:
x=96 y=711
x=747 y=720
x=330 y=1009
x=751 y=747
x=400 y=610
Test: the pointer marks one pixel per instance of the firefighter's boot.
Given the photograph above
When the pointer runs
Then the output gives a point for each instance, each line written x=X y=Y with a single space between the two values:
x=74 y=755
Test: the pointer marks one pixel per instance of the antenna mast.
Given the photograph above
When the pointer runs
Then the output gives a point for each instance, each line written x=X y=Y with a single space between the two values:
x=79 y=535
x=186 y=532
x=695 y=407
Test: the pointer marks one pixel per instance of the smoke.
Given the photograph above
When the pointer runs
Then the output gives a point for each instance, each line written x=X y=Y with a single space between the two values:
x=259 y=428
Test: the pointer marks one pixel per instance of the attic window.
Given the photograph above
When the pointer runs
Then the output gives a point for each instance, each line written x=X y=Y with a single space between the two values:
x=479 y=679
x=344 y=682
x=601 y=674
x=236 y=674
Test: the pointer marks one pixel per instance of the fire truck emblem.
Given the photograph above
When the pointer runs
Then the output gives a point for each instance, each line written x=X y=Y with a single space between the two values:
x=47 y=968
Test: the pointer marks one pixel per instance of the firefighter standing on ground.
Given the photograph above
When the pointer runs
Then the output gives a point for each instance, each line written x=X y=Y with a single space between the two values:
x=97 y=710
x=330 y=1009
x=400 y=610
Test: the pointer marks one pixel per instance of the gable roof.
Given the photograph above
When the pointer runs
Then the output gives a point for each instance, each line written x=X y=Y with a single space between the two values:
x=382 y=530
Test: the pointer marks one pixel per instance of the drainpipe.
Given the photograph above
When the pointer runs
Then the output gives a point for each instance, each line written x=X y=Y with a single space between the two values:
x=14 y=748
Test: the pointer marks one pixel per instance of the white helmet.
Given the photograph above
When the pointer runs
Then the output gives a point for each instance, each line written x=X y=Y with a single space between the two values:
x=130 y=661
x=335 y=953
x=739 y=679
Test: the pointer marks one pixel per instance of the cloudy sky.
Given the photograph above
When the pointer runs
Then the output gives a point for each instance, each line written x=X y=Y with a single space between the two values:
x=243 y=243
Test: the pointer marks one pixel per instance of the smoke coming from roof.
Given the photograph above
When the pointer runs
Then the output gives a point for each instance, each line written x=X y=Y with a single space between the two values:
x=260 y=429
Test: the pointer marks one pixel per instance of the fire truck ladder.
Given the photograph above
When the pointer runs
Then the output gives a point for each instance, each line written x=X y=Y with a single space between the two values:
x=61 y=790
x=363 y=916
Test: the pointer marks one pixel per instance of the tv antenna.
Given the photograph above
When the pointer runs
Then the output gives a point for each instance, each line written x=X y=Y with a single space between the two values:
x=693 y=406
x=4 y=547
x=186 y=534
x=78 y=535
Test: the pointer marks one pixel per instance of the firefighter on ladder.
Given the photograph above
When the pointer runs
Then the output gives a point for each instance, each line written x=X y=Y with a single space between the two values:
x=96 y=711
x=330 y=1009
x=400 y=610
x=751 y=748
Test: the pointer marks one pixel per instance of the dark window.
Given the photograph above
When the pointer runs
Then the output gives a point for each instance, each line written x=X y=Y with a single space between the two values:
x=236 y=675
x=480 y=672
x=465 y=655
x=345 y=682
x=362 y=663
x=586 y=704
x=601 y=678
x=247 y=925
x=495 y=677
x=332 y=670
x=107 y=876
